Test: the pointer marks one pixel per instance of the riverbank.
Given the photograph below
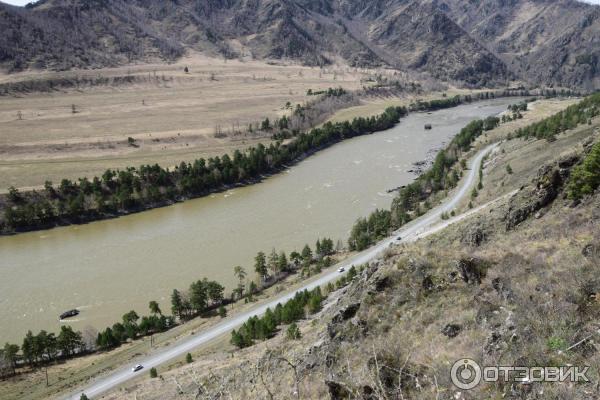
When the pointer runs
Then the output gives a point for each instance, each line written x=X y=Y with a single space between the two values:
x=69 y=374
x=123 y=263
x=123 y=192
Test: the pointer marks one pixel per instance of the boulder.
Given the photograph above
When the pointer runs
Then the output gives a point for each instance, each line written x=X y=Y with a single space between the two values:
x=451 y=330
x=472 y=270
x=337 y=390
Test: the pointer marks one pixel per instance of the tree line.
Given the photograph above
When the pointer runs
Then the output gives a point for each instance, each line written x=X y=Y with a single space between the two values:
x=303 y=303
x=330 y=92
x=585 y=178
x=119 y=192
x=265 y=327
x=203 y=297
x=408 y=204
x=133 y=189
x=579 y=113
x=42 y=349
x=444 y=174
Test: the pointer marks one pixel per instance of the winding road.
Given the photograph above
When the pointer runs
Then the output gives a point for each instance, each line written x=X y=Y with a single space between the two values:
x=427 y=224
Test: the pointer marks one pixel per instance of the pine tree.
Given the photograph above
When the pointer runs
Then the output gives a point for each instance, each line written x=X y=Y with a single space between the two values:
x=260 y=265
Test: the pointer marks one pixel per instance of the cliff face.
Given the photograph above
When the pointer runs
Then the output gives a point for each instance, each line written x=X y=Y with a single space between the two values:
x=481 y=43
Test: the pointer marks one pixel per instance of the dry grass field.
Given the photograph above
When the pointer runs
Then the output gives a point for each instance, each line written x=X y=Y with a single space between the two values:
x=172 y=115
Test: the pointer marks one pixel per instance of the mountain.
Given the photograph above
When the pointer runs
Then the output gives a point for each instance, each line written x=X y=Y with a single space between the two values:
x=543 y=41
x=474 y=42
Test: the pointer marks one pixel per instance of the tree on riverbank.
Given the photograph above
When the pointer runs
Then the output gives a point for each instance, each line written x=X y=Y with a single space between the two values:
x=444 y=173
x=131 y=189
x=260 y=266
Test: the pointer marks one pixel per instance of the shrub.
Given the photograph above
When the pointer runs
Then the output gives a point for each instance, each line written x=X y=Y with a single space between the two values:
x=585 y=178
x=293 y=332
x=153 y=373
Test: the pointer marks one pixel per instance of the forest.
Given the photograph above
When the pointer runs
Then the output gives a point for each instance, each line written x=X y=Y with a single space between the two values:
x=569 y=118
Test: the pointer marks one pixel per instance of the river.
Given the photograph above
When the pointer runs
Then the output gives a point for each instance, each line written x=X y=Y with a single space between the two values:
x=109 y=267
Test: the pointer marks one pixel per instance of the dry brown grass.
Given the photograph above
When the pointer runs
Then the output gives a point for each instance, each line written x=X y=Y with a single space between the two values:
x=172 y=115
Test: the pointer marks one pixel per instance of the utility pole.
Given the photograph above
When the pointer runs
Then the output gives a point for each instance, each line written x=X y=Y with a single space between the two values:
x=47 y=382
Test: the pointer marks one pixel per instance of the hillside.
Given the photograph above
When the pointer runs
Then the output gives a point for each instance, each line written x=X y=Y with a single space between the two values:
x=490 y=44
x=547 y=42
x=515 y=284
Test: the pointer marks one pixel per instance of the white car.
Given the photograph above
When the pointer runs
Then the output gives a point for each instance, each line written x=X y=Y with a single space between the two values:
x=137 y=368
x=341 y=269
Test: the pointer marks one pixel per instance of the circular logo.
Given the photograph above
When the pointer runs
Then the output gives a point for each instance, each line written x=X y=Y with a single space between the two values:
x=465 y=374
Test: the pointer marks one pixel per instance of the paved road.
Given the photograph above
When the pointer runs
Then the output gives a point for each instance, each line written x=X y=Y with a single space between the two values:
x=427 y=224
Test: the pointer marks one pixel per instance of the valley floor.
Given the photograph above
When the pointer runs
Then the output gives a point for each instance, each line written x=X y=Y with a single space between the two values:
x=172 y=115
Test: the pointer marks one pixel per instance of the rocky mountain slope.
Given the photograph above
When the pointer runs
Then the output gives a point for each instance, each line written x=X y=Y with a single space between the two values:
x=544 y=41
x=490 y=42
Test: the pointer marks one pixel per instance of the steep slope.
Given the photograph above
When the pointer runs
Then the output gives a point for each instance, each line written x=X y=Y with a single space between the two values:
x=547 y=42
x=65 y=34
x=424 y=38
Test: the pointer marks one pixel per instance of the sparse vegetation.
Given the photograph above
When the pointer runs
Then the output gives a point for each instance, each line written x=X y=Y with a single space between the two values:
x=293 y=332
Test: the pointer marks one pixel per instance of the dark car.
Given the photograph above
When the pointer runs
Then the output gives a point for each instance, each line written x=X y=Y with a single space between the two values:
x=137 y=368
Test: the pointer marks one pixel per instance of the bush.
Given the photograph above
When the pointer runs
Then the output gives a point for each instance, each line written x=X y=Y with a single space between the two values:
x=557 y=343
x=188 y=358
x=293 y=332
x=585 y=178
x=153 y=373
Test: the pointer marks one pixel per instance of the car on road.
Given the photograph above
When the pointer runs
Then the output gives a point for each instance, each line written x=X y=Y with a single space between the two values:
x=399 y=238
x=341 y=269
x=137 y=368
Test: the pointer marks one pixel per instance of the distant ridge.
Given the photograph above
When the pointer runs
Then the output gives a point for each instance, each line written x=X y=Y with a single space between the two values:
x=482 y=43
